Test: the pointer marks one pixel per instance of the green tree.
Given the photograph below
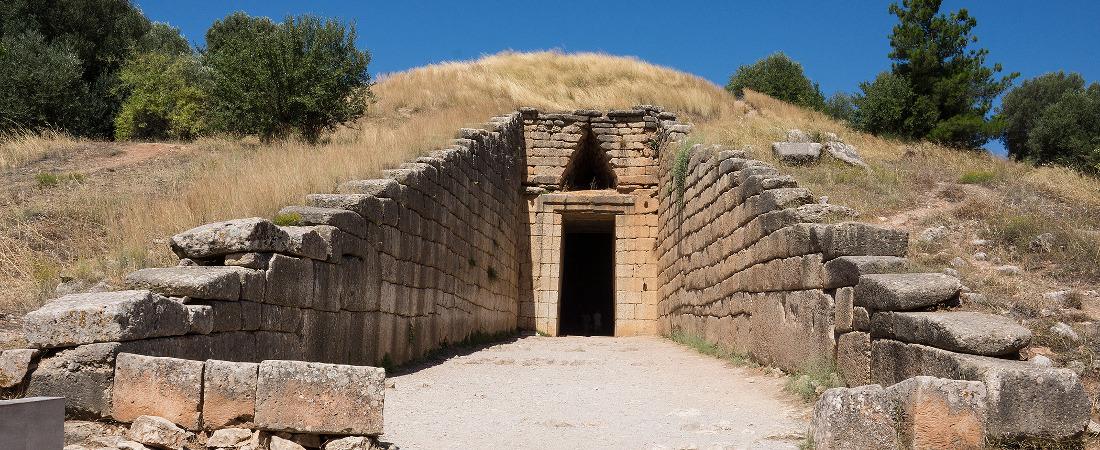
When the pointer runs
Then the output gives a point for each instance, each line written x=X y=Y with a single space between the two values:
x=953 y=89
x=303 y=75
x=841 y=105
x=779 y=76
x=165 y=98
x=1055 y=119
x=40 y=84
x=1023 y=105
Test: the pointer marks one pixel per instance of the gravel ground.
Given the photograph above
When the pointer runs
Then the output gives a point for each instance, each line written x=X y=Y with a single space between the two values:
x=590 y=393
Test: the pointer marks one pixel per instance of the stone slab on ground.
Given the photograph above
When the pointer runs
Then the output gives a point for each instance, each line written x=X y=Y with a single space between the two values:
x=959 y=331
x=298 y=397
x=155 y=386
x=597 y=392
x=158 y=432
x=905 y=291
x=104 y=317
x=797 y=152
x=32 y=423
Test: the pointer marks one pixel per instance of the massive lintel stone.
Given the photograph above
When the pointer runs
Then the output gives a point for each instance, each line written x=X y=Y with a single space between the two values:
x=964 y=332
x=1025 y=400
x=859 y=239
x=233 y=236
x=905 y=291
x=298 y=397
x=104 y=317
x=205 y=282
x=154 y=386
x=846 y=270
x=797 y=152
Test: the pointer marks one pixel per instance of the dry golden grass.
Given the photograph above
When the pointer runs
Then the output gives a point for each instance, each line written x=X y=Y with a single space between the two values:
x=420 y=109
x=18 y=147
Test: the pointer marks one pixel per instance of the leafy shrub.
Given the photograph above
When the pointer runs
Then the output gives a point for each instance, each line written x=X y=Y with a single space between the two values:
x=164 y=95
x=303 y=75
x=40 y=83
x=1054 y=119
x=841 y=106
x=977 y=177
x=779 y=76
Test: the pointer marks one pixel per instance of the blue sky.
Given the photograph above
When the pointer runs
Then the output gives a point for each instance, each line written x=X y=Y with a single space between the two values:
x=840 y=43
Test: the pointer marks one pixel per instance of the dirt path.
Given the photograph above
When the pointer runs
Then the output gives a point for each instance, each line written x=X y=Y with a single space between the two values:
x=591 y=392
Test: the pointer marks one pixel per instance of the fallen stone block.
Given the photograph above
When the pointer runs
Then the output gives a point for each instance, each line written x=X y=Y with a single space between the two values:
x=296 y=396
x=32 y=423
x=854 y=418
x=229 y=438
x=937 y=413
x=797 y=152
x=229 y=394
x=155 y=386
x=234 y=236
x=846 y=270
x=205 y=282
x=14 y=365
x=905 y=291
x=104 y=317
x=158 y=432
x=859 y=239
x=964 y=332
x=350 y=443
x=844 y=152
x=280 y=443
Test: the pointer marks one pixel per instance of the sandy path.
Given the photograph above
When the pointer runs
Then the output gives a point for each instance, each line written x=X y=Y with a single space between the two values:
x=589 y=393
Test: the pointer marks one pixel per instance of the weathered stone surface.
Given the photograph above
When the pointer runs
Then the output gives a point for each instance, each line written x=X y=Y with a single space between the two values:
x=796 y=135
x=155 y=386
x=290 y=281
x=104 y=317
x=343 y=219
x=797 y=152
x=234 y=236
x=206 y=282
x=964 y=332
x=846 y=270
x=938 y=413
x=844 y=310
x=1025 y=400
x=350 y=443
x=14 y=365
x=229 y=394
x=250 y=260
x=229 y=437
x=307 y=242
x=854 y=418
x=280 y=443
x=200 y=319
x=158 y=432
x=82 y=375
x=905 y=291
x=298 y=397
x=859 y=239
x=844 y=152
x=853 y=358
x=861 y=319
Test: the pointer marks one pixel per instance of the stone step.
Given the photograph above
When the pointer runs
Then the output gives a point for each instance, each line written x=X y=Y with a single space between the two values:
x=205 y=282
x=965 y=332
x=905 y=291
x=846 y=270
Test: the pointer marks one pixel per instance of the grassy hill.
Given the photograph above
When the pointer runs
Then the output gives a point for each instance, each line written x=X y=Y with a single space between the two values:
x=90 y=211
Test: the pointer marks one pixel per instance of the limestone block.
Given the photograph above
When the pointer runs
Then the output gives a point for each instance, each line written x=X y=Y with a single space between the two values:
x=797 y=152
x=290 y=282
x=860 y=239
x=200 y=319
x=234 y=236
x=844 y=313
x=861 y=319
x=297 y=396
x=229 y=394
x=252 y=260
x=350 y=443
x=854 y=418
x=104 y=317
x=83 y=375
x=935 y=413
x=853 y=358
x=846 y=270
x=225 y=316
x=307 y=242
x=905 y=291
x=229 y=438
x=286 y=319
x=378 y=187
x=14 y=365
x=345 y=220
x=965 y=332
x=206 y=282
x=158 y=432
x=156 y=386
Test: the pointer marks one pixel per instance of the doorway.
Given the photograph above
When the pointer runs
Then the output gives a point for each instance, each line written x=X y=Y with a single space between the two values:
x=587 y=303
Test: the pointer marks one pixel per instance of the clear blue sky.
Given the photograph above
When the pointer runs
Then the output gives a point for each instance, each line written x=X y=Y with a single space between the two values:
x=840 y=43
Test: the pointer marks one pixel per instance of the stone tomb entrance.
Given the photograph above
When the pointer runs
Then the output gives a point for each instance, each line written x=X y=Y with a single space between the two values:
x=587 y=304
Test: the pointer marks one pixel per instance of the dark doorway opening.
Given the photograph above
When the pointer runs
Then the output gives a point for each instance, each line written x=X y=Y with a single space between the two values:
x=589 y=167
x=587 y=302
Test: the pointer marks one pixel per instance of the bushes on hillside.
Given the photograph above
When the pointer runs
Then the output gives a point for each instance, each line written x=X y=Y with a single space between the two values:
x=1054 y=118
x=40 y=83
x=780 y=77
x=165 y=98
x=303 y=75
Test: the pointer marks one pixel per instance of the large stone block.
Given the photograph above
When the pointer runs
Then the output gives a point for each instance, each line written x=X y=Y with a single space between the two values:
x=853 y=358
x=846 y=270
x=905 y=291
x=343 y=219
x=155 y=386
x=290 y=282
x=83 y=375
x=158 y=432
x=229 y=394
x=797 y=152
x=104 y=317
x=14 y=365
x=307 y=242
x=964 y=332
x=936 y=413
x=860 y=239
x=206 y=282
x=234 y=236
x=32 y=423
x=299 y=397
x=855 y=418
